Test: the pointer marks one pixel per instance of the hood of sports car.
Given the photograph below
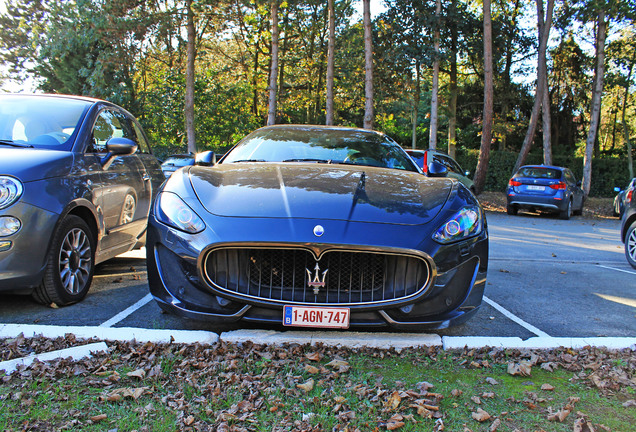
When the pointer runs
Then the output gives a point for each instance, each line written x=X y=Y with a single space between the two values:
x=319 y=191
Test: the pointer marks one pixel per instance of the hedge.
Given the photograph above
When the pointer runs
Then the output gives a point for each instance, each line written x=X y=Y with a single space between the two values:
x=607 y=173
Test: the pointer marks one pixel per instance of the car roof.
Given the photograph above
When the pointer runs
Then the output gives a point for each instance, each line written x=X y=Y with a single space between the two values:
x=321 y=128
x=544 y=166
x=58 y=96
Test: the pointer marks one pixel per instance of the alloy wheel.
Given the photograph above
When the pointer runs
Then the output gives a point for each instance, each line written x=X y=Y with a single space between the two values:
x=75 y=261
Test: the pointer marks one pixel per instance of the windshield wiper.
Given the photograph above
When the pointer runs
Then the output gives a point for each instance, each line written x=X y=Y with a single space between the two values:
x=249 y=160
x=328 y=161
x=15 y=144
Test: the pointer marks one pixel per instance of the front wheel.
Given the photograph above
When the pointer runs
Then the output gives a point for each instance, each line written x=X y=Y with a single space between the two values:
x=70 y=264
x=630 y=245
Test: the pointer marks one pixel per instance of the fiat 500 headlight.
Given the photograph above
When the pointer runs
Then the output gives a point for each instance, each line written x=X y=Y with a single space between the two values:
x=467 y=222
x=10 y=191
x=173 y=211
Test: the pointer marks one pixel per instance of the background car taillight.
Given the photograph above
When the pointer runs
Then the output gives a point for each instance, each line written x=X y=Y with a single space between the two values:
x=559 y=186
x=425 y=163
x=628 y=197
x=514 y=183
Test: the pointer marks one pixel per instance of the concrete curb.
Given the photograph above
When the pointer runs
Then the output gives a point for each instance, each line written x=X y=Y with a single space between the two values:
x=346 y=339
x=380 y=340
x=110 y=333
x=75 y=353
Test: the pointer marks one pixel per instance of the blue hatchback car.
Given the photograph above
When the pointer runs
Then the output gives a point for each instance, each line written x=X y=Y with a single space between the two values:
x=545 y=188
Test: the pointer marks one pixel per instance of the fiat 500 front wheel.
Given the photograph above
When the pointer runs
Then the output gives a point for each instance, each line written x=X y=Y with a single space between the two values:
x=70 y=264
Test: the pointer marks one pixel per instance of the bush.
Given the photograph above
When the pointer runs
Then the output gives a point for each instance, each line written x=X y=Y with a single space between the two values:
x=607 y=173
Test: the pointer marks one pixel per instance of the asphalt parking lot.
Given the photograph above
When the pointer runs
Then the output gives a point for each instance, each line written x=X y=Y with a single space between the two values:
x=547 y=277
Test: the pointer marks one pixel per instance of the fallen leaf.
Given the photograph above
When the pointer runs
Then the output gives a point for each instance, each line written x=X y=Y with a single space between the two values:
x=311 y=369
x=99 y=418
x=394 y=401
x=495 y=425
x=547 y=387
x=456 y=393
x=339 y=399
x=395 y=422
x=306 y=386
x=488 y=395
x=476 y=400
x=188 y=420
x=139 y=373
x=522 y=368
x=582 y=425
x=439 y=426
x=559 y=415
x=54 y=306
x=492 y=381
x=315 y=356
x=629 y=403
x=337 y=363
x=480 y=415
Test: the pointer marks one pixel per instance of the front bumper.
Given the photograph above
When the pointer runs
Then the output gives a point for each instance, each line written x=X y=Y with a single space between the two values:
x=455 y=292
x=22 y=262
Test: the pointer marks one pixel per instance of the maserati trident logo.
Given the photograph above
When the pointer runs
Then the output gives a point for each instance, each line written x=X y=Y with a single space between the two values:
x=316 y=283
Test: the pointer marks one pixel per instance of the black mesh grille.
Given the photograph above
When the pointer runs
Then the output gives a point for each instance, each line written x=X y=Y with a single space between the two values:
x=284 y=275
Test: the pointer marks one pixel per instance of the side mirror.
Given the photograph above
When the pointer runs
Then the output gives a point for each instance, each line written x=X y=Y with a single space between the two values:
x=117 y=146
x=436 y=169
x=206 y=158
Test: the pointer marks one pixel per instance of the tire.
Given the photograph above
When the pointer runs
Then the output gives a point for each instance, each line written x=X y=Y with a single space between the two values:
x=567 y=213
x=511 y=210
x=630 y=245
x=70 y=264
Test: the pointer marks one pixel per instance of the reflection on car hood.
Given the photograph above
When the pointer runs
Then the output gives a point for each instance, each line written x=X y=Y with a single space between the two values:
x=29 y=164
x=322 y=191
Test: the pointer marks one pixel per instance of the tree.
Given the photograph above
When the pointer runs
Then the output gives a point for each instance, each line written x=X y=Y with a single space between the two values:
x=368 y=65
x=487 y=119
x=273 y=74
x=541 y=86
x=189 y=93
x=432 y=142
x=597 y=91
x=330 y=63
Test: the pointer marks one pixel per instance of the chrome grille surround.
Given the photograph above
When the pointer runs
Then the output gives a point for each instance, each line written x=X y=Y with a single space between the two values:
x=278 y=273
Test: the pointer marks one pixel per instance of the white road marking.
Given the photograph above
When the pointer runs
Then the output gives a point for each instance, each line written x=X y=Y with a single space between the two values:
x=620 y=270
x=75 y=353
x=516 y=319
x=123 y=314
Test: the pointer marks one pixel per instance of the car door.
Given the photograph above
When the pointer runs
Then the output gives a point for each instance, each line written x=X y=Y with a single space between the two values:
x=123 y=194
x=577 y=192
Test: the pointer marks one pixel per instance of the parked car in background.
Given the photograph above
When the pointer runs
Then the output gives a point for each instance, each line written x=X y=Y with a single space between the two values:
x=77 y=177
x=619 y=199
x=547 y=189
x=318 y=226
x=628 y=226
x=423 y=157
x=176 y=161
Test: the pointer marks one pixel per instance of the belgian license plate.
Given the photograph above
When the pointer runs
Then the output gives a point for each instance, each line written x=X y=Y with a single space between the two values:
x=316 y=316
x=536 y=188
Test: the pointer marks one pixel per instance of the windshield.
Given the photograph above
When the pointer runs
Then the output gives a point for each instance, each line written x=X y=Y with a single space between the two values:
x=538 y=172
x=39 y=121
x=321 y=145
x=179 y=161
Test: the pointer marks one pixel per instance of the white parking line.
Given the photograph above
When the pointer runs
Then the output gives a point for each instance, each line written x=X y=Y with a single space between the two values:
x=620 y=270
x=123 y=314
x=516 y=319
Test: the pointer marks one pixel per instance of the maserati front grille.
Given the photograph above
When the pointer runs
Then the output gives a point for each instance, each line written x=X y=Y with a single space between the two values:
x=294 y=276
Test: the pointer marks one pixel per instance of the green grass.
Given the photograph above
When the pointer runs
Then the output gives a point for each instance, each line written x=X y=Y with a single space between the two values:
x=255 y=388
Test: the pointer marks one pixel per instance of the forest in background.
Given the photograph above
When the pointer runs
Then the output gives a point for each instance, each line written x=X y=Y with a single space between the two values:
x=135 y=53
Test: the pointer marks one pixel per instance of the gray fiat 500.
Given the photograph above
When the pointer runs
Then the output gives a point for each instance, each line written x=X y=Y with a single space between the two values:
x=77 y=177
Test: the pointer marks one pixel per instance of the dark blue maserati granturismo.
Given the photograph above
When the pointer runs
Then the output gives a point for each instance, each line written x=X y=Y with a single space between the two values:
x=322 y=227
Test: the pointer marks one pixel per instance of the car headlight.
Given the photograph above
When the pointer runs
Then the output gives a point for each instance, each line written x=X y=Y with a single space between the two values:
x=10 y=191
x=465 y=223
x=172 y=211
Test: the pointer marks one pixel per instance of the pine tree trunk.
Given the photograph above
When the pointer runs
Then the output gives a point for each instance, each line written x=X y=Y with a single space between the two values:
x=368 y=65
x=432 y=138
x=330 y=63
x=189 y=90
x=452 y=105
x=628 y=144
x=596 y=102
x=273 y=74
x=541 y=78
x=486 y=132
x=416 y=105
